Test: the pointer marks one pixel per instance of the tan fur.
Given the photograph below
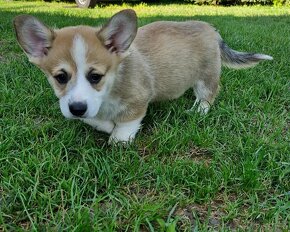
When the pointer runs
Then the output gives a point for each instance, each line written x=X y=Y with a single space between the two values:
x=179 y=54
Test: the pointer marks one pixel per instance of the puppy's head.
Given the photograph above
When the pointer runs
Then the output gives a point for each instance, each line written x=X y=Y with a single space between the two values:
x=80 y=62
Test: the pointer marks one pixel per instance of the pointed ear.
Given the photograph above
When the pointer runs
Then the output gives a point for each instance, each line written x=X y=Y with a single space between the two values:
x=33 y=36
x=118 y=34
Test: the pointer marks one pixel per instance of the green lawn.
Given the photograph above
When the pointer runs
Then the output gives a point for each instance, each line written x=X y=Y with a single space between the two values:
x=229 y=170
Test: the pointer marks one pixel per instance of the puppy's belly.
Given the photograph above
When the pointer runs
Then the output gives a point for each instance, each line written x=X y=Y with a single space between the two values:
x=171 y=87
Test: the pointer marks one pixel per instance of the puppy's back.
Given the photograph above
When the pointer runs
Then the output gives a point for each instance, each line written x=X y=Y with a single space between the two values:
x=178 y=53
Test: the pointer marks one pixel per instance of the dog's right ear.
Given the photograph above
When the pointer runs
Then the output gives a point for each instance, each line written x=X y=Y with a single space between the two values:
x=118 y=34
x=33 y=36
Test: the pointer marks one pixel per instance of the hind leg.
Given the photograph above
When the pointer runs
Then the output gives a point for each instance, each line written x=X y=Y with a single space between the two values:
x=205 y=92
x=206 y=84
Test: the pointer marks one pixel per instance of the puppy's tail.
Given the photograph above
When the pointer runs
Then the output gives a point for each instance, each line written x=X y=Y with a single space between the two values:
x=239 y=60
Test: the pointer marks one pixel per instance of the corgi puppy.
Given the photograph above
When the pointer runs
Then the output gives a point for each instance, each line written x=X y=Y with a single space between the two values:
x=107 y=76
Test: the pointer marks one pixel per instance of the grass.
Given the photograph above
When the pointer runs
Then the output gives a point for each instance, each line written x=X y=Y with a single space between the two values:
x=225 y=171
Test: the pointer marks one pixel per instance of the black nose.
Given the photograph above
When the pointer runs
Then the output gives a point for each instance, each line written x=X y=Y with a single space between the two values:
x=78 y=108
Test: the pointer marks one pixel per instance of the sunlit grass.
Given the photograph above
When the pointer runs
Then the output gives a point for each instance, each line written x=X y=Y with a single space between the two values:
x=227 y=170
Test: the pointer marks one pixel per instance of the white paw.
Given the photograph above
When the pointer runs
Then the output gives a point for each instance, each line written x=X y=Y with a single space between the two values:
x=119 y=138
x=106 y=126
x=125 y=132
x=202 y=107
x=100 y=125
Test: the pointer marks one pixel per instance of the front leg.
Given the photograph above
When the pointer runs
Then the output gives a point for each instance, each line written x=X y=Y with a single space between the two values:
x=125 y=131
x=101 y=125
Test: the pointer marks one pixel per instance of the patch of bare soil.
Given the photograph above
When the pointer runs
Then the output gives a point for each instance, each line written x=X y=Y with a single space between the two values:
x=199 y=154
x=215 y=216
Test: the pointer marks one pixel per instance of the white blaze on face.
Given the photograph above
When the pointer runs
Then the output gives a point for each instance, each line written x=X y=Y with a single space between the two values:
x=81 y=90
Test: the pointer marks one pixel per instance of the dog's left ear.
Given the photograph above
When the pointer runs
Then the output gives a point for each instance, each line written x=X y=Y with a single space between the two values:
x=118 y=34
x=34 y=37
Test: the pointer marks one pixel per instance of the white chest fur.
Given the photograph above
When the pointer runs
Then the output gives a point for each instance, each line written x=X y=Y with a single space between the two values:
x=110 y=108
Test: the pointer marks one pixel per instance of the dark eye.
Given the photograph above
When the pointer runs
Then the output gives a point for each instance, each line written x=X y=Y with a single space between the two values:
x=62 y=78
x=94 y=78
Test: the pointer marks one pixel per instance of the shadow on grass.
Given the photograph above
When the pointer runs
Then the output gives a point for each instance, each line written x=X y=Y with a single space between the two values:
x=67 y=20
